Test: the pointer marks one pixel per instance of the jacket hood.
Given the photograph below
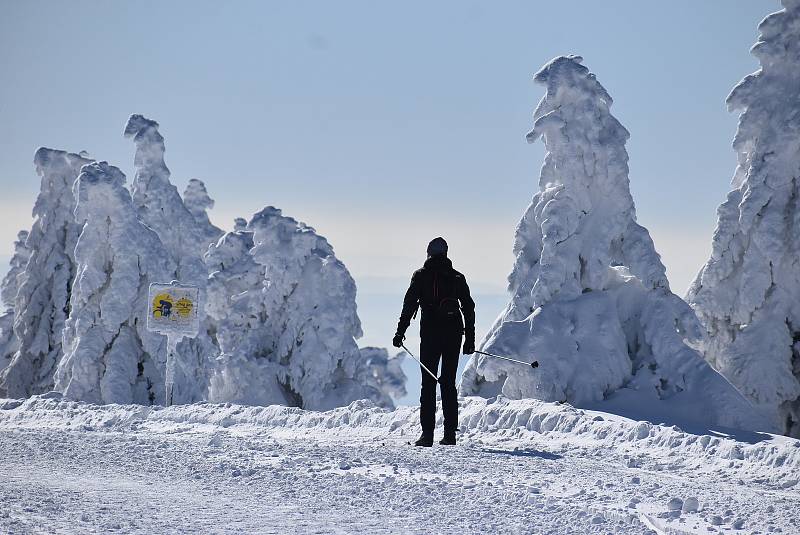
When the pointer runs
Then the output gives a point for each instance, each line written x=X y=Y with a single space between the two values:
x=438 y=263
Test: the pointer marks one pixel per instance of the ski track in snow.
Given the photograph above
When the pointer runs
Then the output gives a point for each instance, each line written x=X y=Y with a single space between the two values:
x=70 y=467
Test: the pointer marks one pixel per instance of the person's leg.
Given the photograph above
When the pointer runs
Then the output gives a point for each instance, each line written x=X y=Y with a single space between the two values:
x=429 y=351
x=451 y=350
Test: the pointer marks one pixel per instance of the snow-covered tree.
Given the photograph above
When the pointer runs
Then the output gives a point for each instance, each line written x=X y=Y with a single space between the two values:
x=748 y=293
x=241 y=325
x=590 y=298
x=159 y=205
x=10 y=284
x=109 y=356
x=8 y=294
x=42 y=299
x=285 y=314
x=197 y=201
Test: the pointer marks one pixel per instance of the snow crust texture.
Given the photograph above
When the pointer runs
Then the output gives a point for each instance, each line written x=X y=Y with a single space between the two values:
x=748 y=293
x=521 y=466
x=590 y=298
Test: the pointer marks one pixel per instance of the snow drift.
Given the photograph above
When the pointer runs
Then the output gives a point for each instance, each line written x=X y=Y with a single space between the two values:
x=590 y=298
x=748 y=293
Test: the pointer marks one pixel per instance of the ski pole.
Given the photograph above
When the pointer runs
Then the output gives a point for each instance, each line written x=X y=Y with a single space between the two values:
x=420 y=363
x=534 y=364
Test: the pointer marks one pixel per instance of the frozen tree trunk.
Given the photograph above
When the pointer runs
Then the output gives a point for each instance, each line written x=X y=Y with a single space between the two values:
x=748 y=293
x=42 y=299
x=590 y=298
x=110 y=357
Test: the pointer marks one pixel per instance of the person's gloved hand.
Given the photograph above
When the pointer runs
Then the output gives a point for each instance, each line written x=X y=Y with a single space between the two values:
x=469 y=347
x=397 y=341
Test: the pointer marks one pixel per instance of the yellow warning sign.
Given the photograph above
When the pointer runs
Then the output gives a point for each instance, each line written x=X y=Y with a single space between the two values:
x=173 y=309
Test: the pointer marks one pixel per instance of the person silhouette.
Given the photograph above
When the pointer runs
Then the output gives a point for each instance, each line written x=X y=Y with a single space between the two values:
x=448 y=312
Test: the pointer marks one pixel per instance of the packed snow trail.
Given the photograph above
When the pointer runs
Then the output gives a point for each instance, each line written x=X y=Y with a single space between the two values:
x=521 y=467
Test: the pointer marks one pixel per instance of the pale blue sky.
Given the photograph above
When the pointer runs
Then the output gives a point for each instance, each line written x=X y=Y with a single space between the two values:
x=380 y=124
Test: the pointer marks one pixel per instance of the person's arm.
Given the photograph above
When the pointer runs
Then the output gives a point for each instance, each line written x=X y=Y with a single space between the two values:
x=410 y=304
x=468 y=310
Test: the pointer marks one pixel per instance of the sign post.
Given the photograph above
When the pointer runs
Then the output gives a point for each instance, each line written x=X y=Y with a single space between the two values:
x=173 y=310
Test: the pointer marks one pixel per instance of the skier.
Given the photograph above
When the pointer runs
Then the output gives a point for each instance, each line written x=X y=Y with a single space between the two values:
x=438 y=289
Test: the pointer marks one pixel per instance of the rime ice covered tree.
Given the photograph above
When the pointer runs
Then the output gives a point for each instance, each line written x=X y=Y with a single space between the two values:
x=590 y=298
x=197 y=201
x=240 y=323
x=286 y=322
x=159 y=205
x=109 y=356
x=748 y=293
x=44 y=286
x=10 y=285
x=8 y=294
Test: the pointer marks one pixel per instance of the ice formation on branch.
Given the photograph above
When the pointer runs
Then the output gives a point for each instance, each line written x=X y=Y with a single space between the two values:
x=8 y=294
x=590 y=298
x=109 y=356
x=197 y=201
x=285 y=314
x=42 y=299
x=748 y=293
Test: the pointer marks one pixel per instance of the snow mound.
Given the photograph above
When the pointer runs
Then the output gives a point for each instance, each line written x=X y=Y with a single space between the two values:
x=44 y=286
x=590 y=298
x=748 y=292
x=284 y=314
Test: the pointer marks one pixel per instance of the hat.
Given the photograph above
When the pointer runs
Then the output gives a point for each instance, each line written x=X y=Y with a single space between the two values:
x=437 y=246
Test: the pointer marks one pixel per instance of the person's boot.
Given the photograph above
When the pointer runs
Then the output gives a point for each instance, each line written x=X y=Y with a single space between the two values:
x=425 y=440
x=449 y=439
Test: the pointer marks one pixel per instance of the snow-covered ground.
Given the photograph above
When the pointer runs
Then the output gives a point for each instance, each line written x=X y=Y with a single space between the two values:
x=521 y=467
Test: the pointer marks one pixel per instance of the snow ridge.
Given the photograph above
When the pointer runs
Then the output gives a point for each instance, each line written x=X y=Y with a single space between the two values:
x=748 y=292
x=590 y=298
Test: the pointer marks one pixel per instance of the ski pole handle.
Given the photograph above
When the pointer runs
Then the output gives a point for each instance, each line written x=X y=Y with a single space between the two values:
x=420 y=363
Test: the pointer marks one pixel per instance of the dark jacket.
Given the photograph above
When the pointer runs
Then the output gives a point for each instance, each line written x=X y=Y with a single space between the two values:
x=435 y=282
